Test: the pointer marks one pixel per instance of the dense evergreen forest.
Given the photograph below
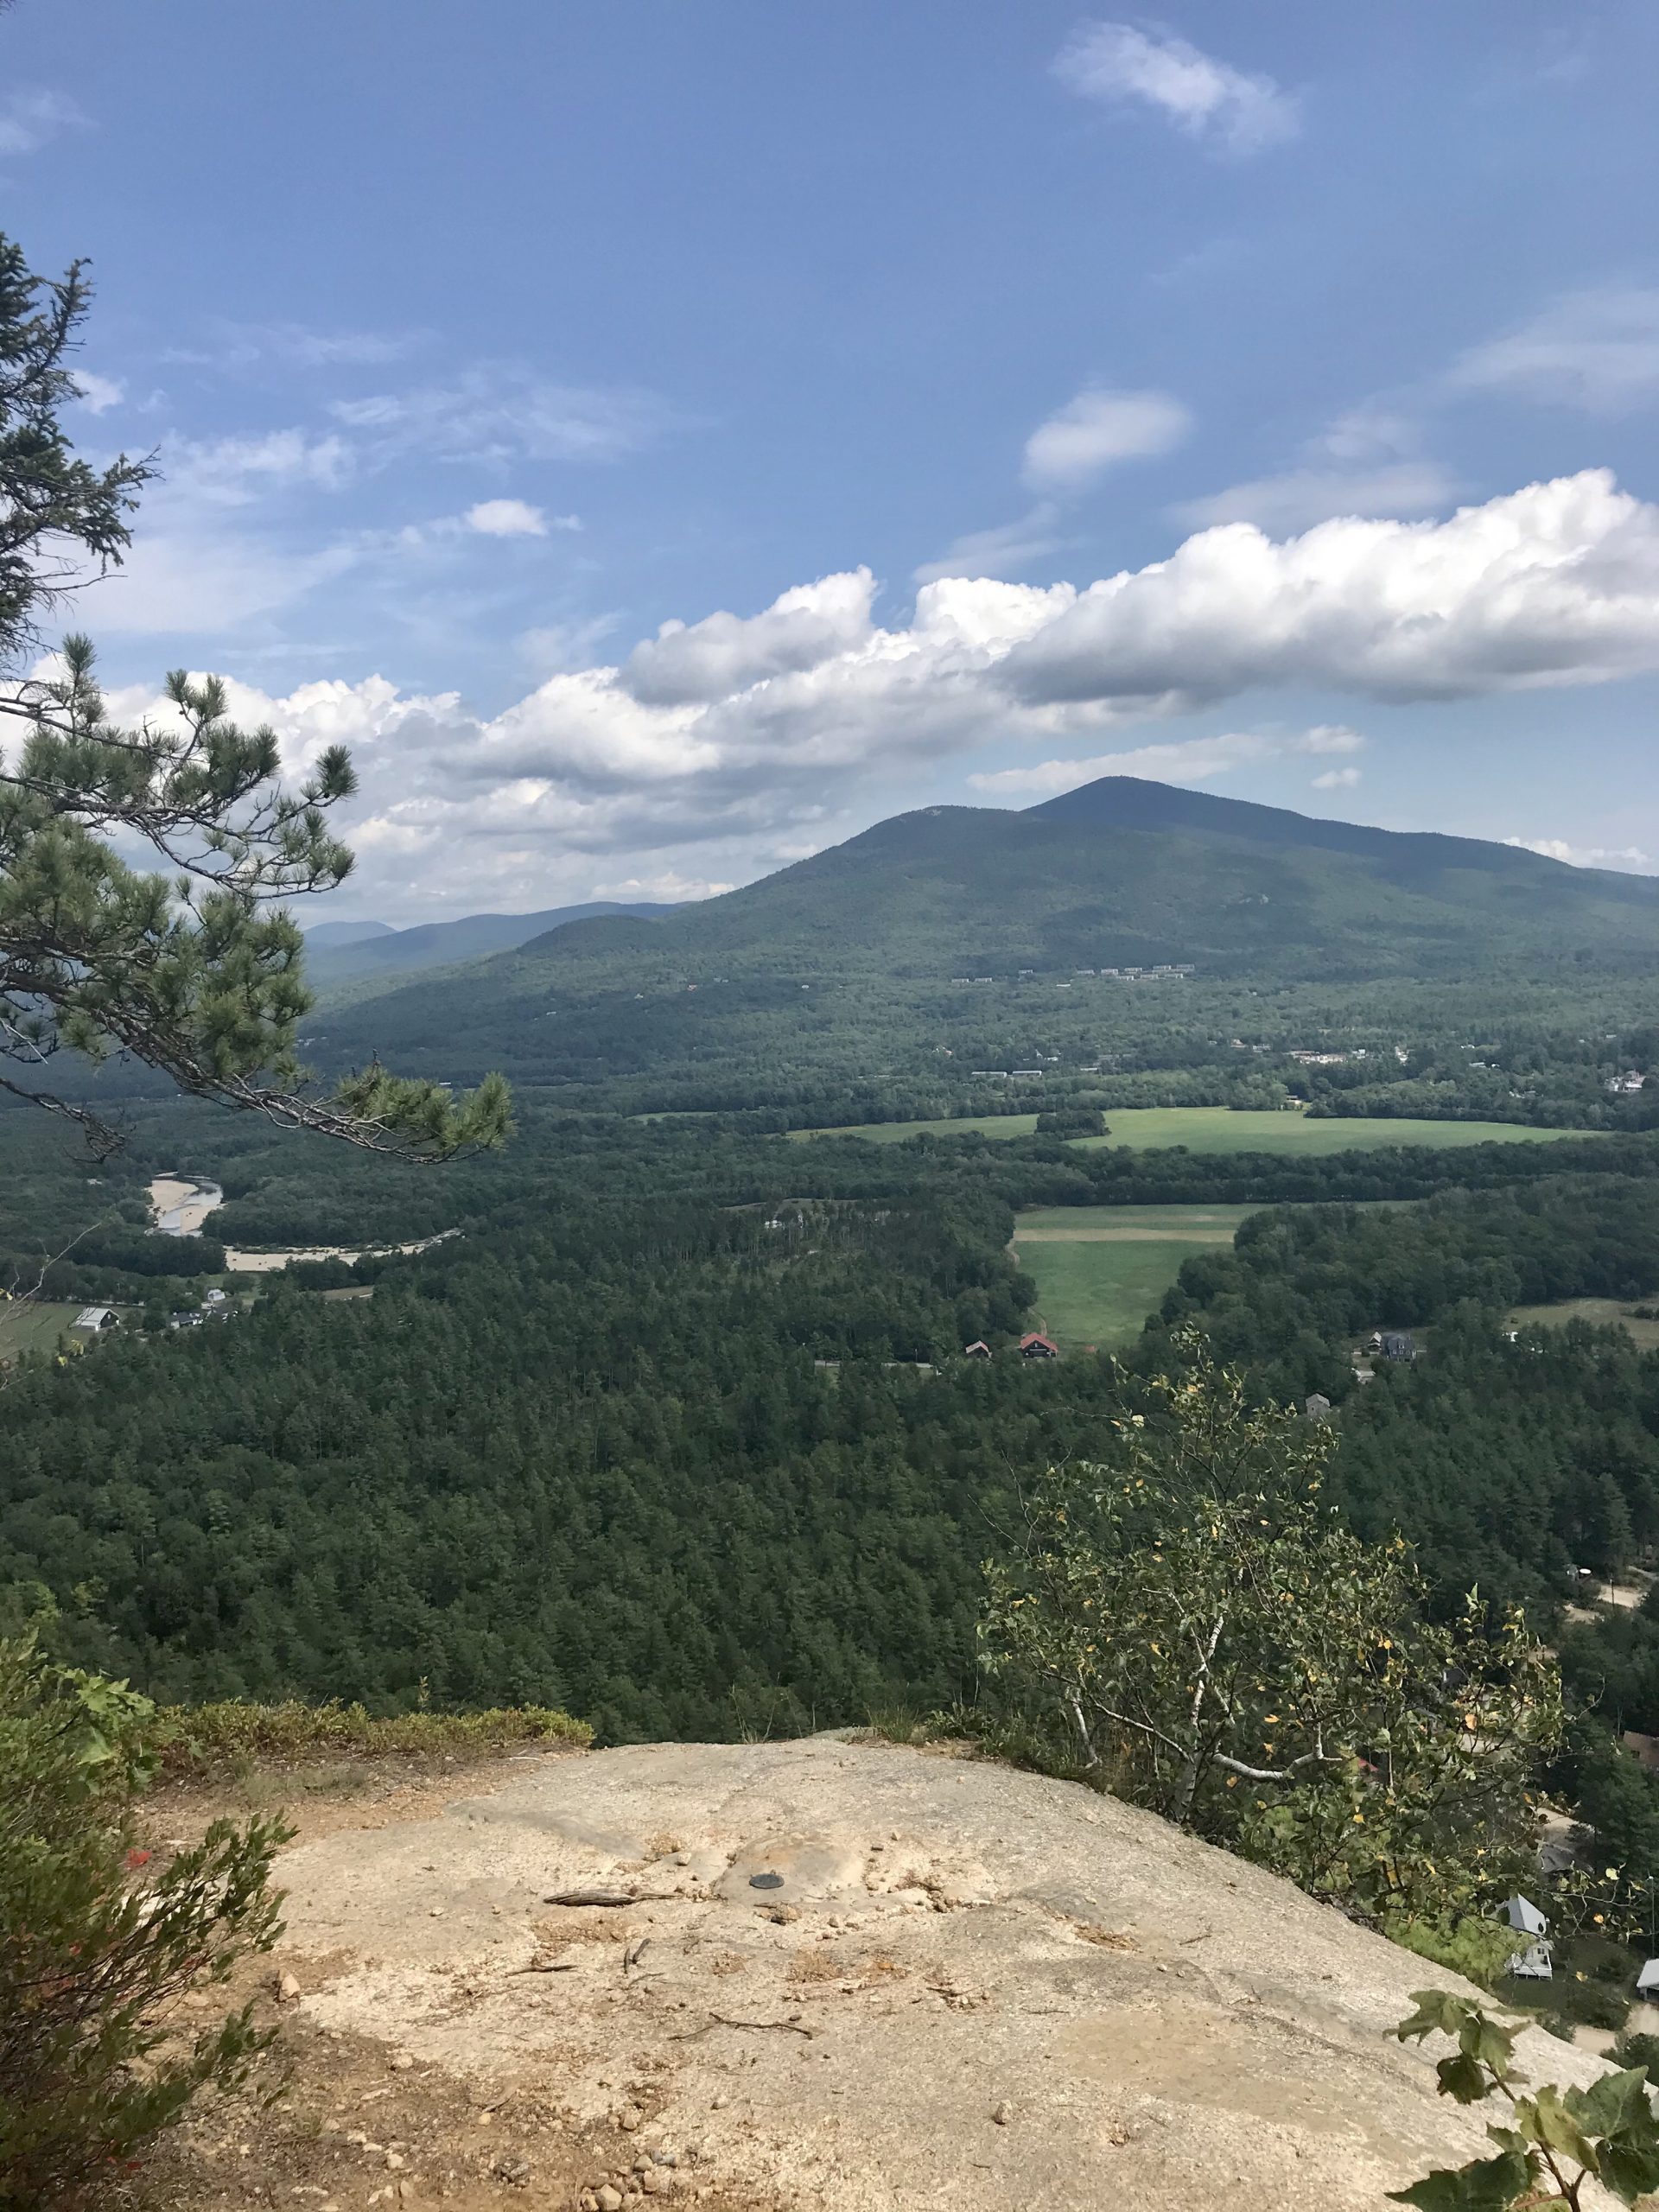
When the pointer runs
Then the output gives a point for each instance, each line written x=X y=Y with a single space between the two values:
x=678 y=1429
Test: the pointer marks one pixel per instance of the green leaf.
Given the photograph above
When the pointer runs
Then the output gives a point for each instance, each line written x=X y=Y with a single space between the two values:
x=1436 y=2009
x=1484 y=2185
x=1546 y=2119
x=1630 y=2163
x=1614 y=2103
x=1464 y=2078
x=1483 y=2039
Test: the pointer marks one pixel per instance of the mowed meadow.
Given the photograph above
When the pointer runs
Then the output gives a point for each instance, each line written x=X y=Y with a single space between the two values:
x=1100 y=1271
x=1221 y=1129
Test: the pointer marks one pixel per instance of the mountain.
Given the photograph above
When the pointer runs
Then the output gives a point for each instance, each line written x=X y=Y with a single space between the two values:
x=846 y=960
x=329 y=937
x=336 y=952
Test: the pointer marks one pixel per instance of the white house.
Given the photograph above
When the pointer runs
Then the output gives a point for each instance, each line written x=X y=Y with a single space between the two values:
x=1525 y=1916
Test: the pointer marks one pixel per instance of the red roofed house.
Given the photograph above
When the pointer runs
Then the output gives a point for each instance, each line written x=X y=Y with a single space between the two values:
x=1036 y=1347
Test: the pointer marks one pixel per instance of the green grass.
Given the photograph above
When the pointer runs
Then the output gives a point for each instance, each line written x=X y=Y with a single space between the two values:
x=1220 y=1129
x=32 y=1327
x=1604 y=1312
x=1100 y=1270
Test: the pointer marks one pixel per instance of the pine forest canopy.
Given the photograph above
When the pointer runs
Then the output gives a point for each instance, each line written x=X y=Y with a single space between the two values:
x=196 y=971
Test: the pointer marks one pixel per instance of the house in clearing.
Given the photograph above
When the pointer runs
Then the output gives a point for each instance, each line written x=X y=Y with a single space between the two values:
x=978 y=1350
x=97 y=1317
x=1039 y=1347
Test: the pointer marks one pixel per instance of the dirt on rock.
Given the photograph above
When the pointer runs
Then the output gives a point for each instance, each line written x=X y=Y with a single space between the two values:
x=828 y=1972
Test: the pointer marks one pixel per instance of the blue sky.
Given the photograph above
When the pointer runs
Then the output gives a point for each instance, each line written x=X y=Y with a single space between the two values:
x=862 y=341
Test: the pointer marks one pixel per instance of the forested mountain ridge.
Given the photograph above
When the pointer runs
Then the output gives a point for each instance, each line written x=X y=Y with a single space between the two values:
x=854 y=961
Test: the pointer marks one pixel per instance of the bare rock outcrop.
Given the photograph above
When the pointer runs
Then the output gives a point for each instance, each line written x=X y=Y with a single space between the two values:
x=856 y=1977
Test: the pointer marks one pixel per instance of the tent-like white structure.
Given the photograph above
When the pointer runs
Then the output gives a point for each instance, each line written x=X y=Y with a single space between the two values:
x=1525 y=1916
x=1648 y=1981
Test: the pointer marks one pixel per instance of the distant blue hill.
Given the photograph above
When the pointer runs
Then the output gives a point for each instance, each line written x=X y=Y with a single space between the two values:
x=335 y=953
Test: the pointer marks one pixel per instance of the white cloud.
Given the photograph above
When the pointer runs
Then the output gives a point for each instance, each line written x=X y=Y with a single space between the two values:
x=1556 y=583
x=232 y=471
x=995 y=552
x=1232 y=109
x=741 y=735
x=1098 y=430
x=1187 y=761
x=502 y=414
x=98 y=394
x=1337 y=779
x=1597 y=350
x=514 y=518
x=31 y=120
x=1626 y=859
x=725 y=653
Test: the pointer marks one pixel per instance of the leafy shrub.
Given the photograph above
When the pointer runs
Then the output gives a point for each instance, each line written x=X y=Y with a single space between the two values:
x=1639 y=2050
x=229 y=1736
x=1188 y=1618
x=94 y=1948
x=1478 y=1949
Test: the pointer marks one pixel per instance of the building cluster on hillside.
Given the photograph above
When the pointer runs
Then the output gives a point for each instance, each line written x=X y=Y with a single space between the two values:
x=1626 y=1085
x=1165 y=972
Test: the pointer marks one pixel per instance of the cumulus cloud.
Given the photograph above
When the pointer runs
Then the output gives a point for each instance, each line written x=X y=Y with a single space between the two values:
x=1596 y=350
x=1337 y=779
x=1233 y=110
x=725 y=653
x=740 y=734
x=1627 y=859
x=1099 y=429
x=1556 y=583
x=1188 y=760
x=29 y=120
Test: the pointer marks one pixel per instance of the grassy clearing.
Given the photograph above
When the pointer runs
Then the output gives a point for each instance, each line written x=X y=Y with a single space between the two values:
x=1100 y=1270
x=1219 y=1130
x=201 y=1741
x=1604 y=1312
x=32 y=1327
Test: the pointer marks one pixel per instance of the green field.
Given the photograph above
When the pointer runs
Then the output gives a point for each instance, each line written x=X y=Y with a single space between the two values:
x=1218 y=1128
x=30 y=1327
x=1604 y=1312
x=1100 y=1270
